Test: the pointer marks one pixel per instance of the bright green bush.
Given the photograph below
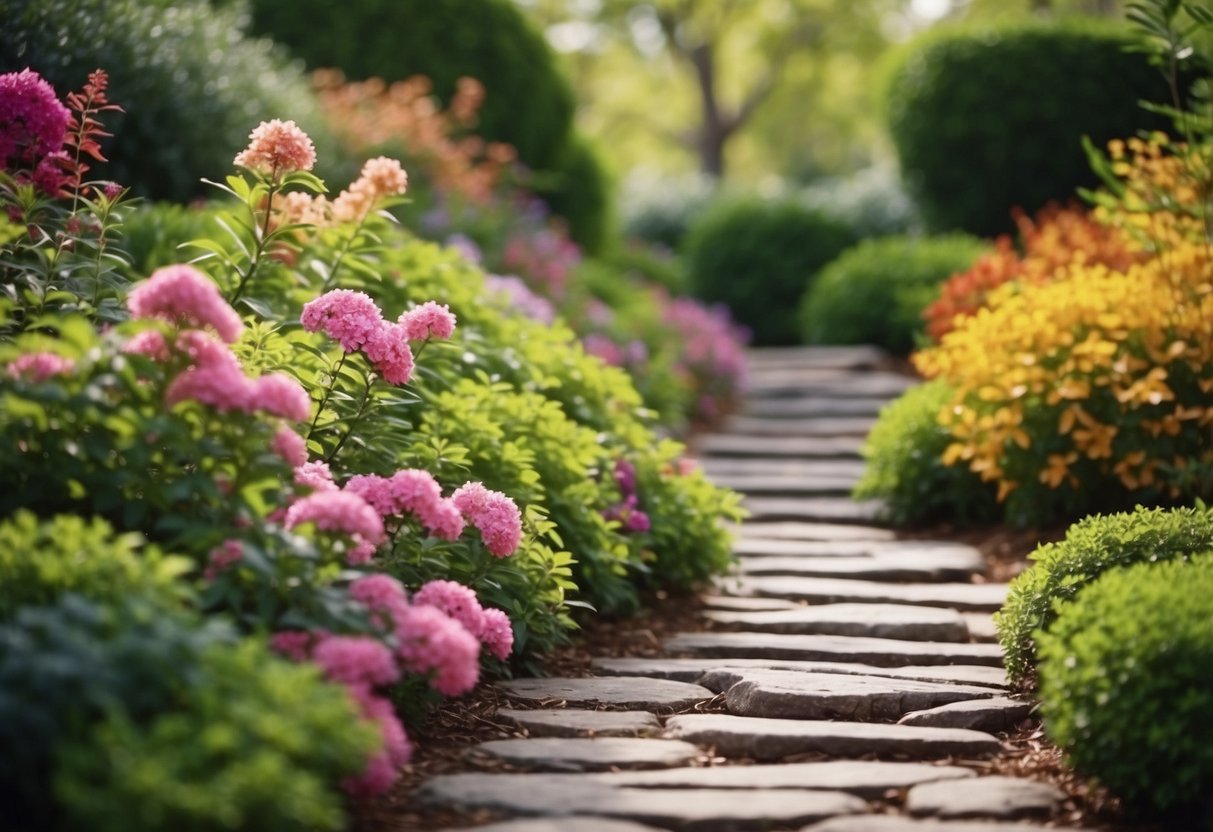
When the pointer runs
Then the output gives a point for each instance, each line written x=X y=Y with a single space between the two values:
x=976 y=140
x=757 y=257
x=192 y=84
x=904 y=469
x=1125 y=688
x=875 y=292
x=528 y=103
x=579 y=189
x=1091 y=547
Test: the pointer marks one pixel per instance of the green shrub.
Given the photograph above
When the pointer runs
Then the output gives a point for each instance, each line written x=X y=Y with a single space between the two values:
x=192 y=84
x=651 y=264
x=1091 y=547
x=1125 y=690
x=873 y=201
x=152 y=233
x=528 y=103
x=757 y=256
x=579 y=189
x=976 y=140
x=904 y=469
x=875 y=293
x=662 y=210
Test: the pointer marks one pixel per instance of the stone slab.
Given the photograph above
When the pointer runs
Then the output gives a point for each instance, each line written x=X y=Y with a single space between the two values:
x=810 y=427
x=573 y=722
x=981 y=626
x=691 y=670
x=892 y=823
x=1003 y=798
x=800 y=407
x=957 y=596
x=858 y=357
x=704 y=810
x=992 y=715
x=562 y=824
x=804 y=447
x=787 y=694
x=922 y=566
x=623 y=692
x=740 y=603
x=750 y=542
x=763 y=738
x=799 y=530
x=899 y=621
x=790 y=382
x=805 y=485
x=827 y=509
x=883 y=652
x=717 y=466
x=588 y=754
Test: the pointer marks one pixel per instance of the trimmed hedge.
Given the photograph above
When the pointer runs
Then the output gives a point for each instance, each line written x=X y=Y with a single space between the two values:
x=985 y=120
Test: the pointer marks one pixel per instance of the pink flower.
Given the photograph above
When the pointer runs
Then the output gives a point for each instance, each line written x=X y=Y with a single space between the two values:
x=430 y=642
x=388 y=349
x=454 y=599
x=413 y=492
x=345 y=316
x=316 y=476
x=430 y=320
x=223 y=556
x=337 y=511
x=381 y=769
x=39 y=366
x=496 y=633
x=281 y=395
x=151 y=343
x=356 y=660
x=443 y=521
x=361 y=552
x=376 y=490
x=219 y=386
x=380 y=594
x=33 y=122
x=205 y=350
x=182 y=294
x=494 y=514
x=294 y=644
x=277 y=147
x=381 y=177
x=290 y=446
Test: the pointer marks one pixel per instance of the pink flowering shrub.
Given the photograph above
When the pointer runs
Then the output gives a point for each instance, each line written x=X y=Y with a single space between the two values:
x=494 y=514
x=183 y=295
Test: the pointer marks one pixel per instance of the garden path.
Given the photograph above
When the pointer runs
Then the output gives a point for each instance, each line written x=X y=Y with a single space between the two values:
x=850 y=681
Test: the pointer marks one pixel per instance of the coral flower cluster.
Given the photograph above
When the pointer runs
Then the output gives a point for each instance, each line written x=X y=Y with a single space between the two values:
x=276 y=148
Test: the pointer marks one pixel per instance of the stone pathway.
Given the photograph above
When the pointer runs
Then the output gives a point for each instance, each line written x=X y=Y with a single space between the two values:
x=849 y=682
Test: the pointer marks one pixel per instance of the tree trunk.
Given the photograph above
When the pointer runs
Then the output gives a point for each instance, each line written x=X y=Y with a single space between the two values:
x=714 y=130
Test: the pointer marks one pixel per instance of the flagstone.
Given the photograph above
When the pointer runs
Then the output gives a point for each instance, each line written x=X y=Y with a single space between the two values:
x=808 y=447
x=899 y=621
x=588 y=753
x=997 y=714
x=636 y=692
x=747 y=603
x=888 y=566
x=691 y=670
x=799 y=530
x=821 y=426
x=787 y=485
x=574 y=722
x=798 y=407
x=883 y=652
x=715 y=466
x=828 y=509
x=981 y=626
x=959 y=596
x=892 y=823
x=1003 y=798
x=564 y=823
x=751 y=543
x=858 y=357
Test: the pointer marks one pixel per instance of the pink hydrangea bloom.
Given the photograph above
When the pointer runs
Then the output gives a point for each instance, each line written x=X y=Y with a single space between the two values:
x=431 y=642
x=294 y=644
x=281 y=395
x=337 y=511
x=222 y=557
x=348 y=317
x=220 y=386
x=454 y=599
x=316 y=476
x=277 y=147
x=33 y=122
x=430 y=320
x=204 y=350
x=494 y=514
x=381 y=769
x=182 y=294
x=361 y=552
x=150 y=343
x=410 y=491
x=39 y=366
x=380 y=594
x=388 y=349
x=290 y=446
x=381 y=177
x=376 y=490
x=496 y=633
x=443 y=521
x=356 y=660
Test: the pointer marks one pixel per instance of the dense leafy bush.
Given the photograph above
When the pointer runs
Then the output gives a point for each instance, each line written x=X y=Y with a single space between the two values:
x=905 y=471
x=661 y=210
x=527 y=104
x=1091 y=547
x=875 y=292
x=173 y=67
x=976 y=140
x=758 y=256
x=1125 y=687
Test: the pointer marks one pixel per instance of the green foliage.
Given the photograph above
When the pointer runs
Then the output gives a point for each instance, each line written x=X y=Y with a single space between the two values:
x=153 y=233
x=662 y=211
x=650 y=263
x=192 y=84
x=757 y=256
x=875 y=292
x=976 y=140
x=40 y=561
x=1125 y=689
x=579 y=189
x=905 y=471
x=873 y=201
x=256 y=743
x=528 y=103
x=1091 y=547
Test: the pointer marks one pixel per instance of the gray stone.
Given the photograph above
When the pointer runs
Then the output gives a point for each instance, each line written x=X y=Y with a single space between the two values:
x=789 y=694
x=963 y=597
x=981 y=626
x=800 y=358
x=892 y=565
x=1004 y=798
x=892 y=823
x=623 y=692
x=998 y=714
x=588 y=754
x=801 y=531
x=691 y=670
x=789 y=383
x=787 y=486
x=805 y=447
x=800 y=407
x=752 y=543
x=824 y=426
x=741 y=603
x=717 y=466
x=771 y=739
x=702 y=810
x=571 y=722
x=872 y=620
x=829 y=509
x=883 y=652
x=562 y=824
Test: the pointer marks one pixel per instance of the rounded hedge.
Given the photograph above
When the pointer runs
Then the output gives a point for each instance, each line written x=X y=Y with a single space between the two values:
x=528 y=103
x=1126 y=691
x=192 y=84
x=875 y=292
x=987 y=120
x=1090 y=548
x=756 y=256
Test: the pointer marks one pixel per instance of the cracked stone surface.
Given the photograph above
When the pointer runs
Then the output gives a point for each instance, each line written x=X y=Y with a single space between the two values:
x=763 y=738
x=807 y=447
x=900 y=621
x=1004 y=798
x=996 y=714
x=887 y=823
x=636 y=693
x=572 y=722
x=691 y=670
x=588 y=754
x=884 y=652
x=788 y=694
x=796 y=530
x=833 y=509
x=957 y=596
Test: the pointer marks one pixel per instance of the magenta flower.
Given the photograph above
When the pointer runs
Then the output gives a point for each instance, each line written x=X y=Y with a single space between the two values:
x=356 y=660
x=350 y=318
x=380 y=594
x=183 y=295
x=429 y=320
x=40 y=366
x=222 y=557
x=294 y=644
x=150 y=343
x=410 y=491
x=290 y=446
x=316 y=476
x=444 y=521
x=388 y=350
x=339 y=512
x=33 y=122
x=381 y=769
x=494 y=514
x=430 y=642
x=454 y=599
x=496 y=633
x=281 y=395
x=220 y=386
